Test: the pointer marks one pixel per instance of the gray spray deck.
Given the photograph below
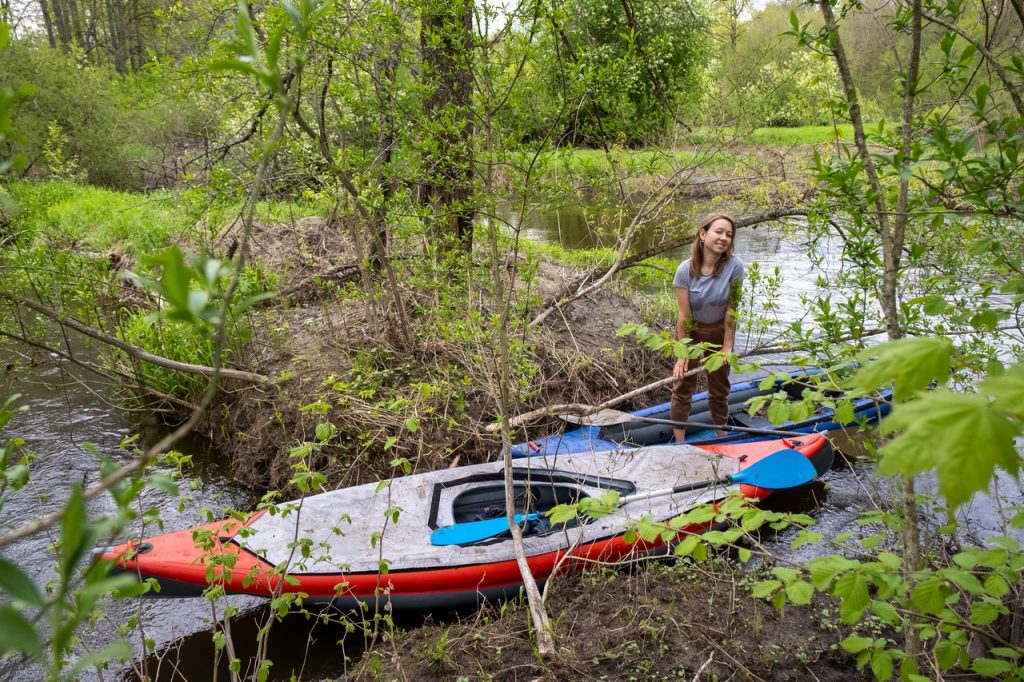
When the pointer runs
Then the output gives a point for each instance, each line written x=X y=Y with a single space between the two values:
x=353 y=530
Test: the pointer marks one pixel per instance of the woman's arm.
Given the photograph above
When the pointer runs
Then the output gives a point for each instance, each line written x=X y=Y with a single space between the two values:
x=682 y=328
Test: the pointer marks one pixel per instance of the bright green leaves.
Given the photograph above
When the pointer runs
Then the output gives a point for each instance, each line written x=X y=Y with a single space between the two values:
x=73 y=536
x=1007 y=391
x=17 y=634
x=909 y=365
x=194 y=290
x=16 y=584
x=960 y=436
x=265 y=62
x=662 y=342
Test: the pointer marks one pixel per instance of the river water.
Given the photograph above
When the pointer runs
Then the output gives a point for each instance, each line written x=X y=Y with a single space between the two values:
x=66 y=415
x=837 y=500
x=68 y=422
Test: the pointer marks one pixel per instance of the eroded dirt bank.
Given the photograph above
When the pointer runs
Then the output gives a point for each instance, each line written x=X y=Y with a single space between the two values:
x=662 y=621
x=343 y=359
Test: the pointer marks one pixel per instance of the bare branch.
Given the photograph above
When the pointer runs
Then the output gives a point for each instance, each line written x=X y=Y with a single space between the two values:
x=135 y=352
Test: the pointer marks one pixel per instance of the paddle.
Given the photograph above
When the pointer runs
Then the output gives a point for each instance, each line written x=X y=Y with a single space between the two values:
x=782 y=469
x=613 y=417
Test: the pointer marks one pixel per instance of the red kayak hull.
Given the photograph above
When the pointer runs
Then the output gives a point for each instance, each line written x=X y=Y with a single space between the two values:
x=187 y=562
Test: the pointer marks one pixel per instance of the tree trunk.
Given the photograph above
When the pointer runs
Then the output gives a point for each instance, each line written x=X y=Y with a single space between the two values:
x=445 y=38
x=892 y=234
x=51 y=38
x=116 y=26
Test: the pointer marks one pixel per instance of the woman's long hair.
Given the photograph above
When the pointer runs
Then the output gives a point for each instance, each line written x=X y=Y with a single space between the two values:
x=697 y=248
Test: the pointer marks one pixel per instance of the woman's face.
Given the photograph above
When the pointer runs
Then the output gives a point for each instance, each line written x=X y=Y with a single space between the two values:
x=718 y=236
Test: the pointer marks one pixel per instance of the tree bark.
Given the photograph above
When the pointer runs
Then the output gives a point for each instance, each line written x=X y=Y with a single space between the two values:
x=445 y=39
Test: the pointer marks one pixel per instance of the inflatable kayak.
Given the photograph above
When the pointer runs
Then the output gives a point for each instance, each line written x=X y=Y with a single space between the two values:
x=442 y=538
x=636 y=432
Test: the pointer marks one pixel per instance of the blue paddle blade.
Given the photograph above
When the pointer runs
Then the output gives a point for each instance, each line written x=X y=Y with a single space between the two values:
x=782 y=469
x=474 y=531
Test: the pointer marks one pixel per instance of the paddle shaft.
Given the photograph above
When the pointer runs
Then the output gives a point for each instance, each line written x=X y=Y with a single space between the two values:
x=723 y=427
x=725 y=480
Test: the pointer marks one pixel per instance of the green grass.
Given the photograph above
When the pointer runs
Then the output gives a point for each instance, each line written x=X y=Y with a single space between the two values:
x=776 y=137
x=804 y=135
x=635 y=162
x=101 y=220
x=96 y=219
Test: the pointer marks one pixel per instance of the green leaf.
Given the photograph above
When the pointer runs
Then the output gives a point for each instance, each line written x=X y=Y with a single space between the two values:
x=881 y=665
x=853 y=590
x=824 y=569
x=778 y=411
x=175 y=278
x=940 y=431
x=786 y=574
x=804 y=537
x=946 y=654
x=1006 y=391
x=964 y=580
x=985 y=612
x=15 y=583
x=965 y=560
x=854 y=644
x=325 y=431
x=162 y=483
x=765 y=588
x=753 y=520
x=687 y=546
x=800 y=592
x=72 y=534
x=910 y=365
x=714 y=362
x=929 y=596
x=885 y=611
x=118 y=650
x=17 y=634
x=890 y=560
x=996 y=585
x=991 y=667
x=844 y=412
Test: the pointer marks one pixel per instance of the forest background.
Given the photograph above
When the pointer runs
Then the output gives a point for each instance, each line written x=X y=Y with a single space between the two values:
x=302 y=224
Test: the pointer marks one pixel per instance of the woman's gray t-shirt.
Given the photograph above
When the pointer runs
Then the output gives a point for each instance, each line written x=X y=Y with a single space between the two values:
x=709 y=296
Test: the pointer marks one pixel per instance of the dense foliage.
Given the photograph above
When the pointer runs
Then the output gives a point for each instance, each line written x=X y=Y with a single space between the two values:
x=409 y=129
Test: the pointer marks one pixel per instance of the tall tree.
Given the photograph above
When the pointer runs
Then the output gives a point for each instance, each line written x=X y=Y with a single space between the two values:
x=446 y=41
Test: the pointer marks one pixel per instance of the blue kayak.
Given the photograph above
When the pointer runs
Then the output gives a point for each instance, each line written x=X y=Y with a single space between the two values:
x=636 y=433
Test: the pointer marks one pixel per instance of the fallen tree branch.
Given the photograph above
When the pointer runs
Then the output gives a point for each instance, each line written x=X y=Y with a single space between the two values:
x=135 y=352
x=582 y=409
x=110 y=375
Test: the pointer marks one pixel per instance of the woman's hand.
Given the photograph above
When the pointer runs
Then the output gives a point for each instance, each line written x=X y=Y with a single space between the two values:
x=680 y=369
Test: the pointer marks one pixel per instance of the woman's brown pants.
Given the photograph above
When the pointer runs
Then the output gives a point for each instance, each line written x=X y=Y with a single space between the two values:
x=718 y=381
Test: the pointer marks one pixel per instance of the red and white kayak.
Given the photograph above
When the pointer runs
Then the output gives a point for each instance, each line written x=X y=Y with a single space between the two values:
x=377 y=544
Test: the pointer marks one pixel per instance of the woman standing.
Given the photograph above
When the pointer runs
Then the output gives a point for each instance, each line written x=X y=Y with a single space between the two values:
x=707 y=290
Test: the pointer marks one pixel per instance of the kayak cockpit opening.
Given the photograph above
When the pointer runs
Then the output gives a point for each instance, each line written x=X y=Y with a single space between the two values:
x=488 y=502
